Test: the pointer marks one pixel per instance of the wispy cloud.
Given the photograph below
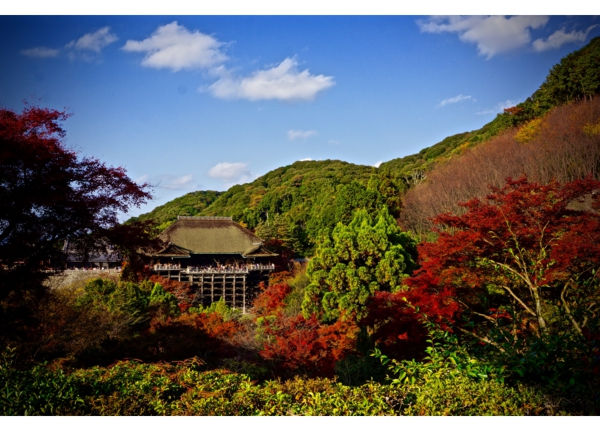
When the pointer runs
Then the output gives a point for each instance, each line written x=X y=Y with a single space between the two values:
x=231 y=173
x=174 y=47
x=333 y=142
x=454 y=100
x=168 y=181
x=305 y=159
x=300 y=134
x=491 y=34
x=282 y=82
x=87 y=47
x=498 y=108
x=40 y=52
x=561 y=37
x=376 y=164
x=94 y=42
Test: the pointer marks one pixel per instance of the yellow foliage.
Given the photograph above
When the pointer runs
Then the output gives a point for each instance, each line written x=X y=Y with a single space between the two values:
x=257 y=197
x=592 y=129
x=461 y=148
x=528 y=131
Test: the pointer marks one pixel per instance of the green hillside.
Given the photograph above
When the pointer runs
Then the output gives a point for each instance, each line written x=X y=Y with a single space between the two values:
x=303 y=198
x=575 y=77
x=306 y=197
x=190 y=204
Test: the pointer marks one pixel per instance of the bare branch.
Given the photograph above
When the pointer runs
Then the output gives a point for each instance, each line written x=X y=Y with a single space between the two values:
x=567 y=309
x=482 y=339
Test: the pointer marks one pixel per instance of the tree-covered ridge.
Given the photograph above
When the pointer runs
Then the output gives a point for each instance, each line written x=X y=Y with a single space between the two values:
x=190 y=204
x=295 y=188
x=305 y=197
x=302 y=199
x=575 y=77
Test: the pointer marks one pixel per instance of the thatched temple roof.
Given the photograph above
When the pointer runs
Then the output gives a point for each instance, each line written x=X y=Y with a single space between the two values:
x=210 y=235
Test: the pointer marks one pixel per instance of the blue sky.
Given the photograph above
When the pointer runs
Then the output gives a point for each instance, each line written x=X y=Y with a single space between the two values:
x=203 y=102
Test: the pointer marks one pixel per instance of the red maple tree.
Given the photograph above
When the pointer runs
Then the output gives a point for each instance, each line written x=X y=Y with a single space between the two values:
x=49 y=194
x=523 y=259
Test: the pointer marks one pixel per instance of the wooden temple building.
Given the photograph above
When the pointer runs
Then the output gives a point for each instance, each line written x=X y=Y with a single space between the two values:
x=218 y=257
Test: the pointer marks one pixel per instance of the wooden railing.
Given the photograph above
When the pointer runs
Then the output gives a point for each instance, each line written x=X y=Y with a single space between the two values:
x=210 y=270
x=166 y=267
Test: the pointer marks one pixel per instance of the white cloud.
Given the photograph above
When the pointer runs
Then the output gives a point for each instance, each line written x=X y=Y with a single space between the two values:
x=282 y=82
x=499 y=107
x=93 y=41
x=168 y=181
x=179 y=183
x=305 y=159
x=559 y=38
x=455 y=99
x=376 y=164
x=299 y=134
x=40 y=52
x=143 y=179
x=492 y=34
x=174 y=47
x=231 y=173
x=333 y=142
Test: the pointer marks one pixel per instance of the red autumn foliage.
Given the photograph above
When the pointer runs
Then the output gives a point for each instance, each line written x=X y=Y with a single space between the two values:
x=280 y=277
x=49 y=194
x=271 y=299
x=304 y=346
x=525 y=238
x=513 y=110
x=396 y=319
x=216 y=334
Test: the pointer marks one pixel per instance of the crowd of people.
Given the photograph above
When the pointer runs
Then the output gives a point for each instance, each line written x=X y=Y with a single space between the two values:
x=219 y=268
x=93 y=268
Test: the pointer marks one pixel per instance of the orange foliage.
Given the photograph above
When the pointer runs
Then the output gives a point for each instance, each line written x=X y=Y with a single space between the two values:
x=297 y=345
x=271 y=300
x=280 y=277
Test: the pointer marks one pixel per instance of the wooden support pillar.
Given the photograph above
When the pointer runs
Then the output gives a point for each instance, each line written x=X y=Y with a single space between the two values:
x=224 y=284
x=212 y=288
x=244 y=294
x=233 y=294
x=202 y=288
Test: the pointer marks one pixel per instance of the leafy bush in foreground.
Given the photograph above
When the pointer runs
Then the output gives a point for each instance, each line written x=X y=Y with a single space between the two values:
x=185 y=388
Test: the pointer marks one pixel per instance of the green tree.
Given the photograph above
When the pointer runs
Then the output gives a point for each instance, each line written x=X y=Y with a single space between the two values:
x=355 y=261
x=163 y=301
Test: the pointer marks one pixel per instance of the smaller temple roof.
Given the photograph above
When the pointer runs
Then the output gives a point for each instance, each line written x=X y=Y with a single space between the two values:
x=210 y=235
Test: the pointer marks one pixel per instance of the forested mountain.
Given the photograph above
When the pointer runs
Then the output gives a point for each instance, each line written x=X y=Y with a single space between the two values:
x=301 y=199
x=190 y=204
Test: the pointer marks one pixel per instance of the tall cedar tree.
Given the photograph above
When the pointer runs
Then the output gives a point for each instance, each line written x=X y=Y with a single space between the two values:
x=354 y=262
x=47 y=195
x=522 y=262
